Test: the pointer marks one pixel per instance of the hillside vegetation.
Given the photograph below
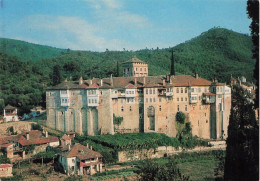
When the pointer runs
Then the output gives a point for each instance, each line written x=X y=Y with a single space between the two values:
x=216 y=53
x=25 y=51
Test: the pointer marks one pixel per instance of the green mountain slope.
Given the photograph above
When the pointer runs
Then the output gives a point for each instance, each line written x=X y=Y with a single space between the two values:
x=25 y=51
x=216 y=53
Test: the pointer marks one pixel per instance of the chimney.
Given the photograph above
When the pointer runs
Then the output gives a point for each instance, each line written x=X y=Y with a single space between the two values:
x=27 y=136
x=69 y=147
x=135 y=81
x=144 y=81
x=163 y=82
x=90 y=83
x=80 y=80
x=111 y=80
x=196 y=75
x=87 y=145
x=46 y=134
x=101 y=82
x=91 y=147
x=170 y=79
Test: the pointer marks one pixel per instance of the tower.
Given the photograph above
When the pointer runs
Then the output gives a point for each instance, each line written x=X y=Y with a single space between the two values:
x=135 y=68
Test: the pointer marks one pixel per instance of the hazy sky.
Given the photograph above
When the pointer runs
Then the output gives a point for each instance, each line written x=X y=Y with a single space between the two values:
x=117 y=24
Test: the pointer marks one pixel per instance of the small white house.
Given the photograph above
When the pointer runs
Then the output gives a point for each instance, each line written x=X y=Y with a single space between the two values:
x=10 y=113
x=81 y=160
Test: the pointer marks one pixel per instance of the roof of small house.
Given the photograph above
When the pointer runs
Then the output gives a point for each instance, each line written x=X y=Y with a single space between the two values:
x=10 y=107
x=65 y=137
x=81 y=152
x=7 y=145
x=5 y=165
x=35 y=137
x=209 y=94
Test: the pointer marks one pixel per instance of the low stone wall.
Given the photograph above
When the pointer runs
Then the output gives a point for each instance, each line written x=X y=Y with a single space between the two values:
x=19 y=127
x=162 y=151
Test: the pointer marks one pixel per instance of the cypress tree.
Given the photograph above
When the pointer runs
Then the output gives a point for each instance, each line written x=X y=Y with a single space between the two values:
x=172 y=64
x=56 y=75
x=242 y=153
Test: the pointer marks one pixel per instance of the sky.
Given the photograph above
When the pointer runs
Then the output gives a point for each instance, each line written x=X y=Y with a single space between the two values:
x=97 y=25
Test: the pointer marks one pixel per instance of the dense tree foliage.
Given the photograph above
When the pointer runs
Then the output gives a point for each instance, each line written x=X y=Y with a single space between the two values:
x=56 y=76
x=242 y=153
x=20 y=86
x=152 y=171
x=253 y=13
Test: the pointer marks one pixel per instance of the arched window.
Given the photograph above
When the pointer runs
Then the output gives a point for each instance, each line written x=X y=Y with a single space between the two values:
x=130 y=108
x=160 y=108
x=177 y=90
x=186 y=108
x=178 y=107
x=122 y=108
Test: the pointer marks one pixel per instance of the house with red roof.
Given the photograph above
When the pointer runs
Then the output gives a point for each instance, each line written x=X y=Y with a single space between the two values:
x=146 y=103
x=81 y=160
x=6 y=170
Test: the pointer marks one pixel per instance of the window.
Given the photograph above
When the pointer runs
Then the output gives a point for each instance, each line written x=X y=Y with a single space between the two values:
x=160 y=108
x=177 y=91
x=205 y=89
x=153 y=99
x=140 y=69
x=199 y=89
x=153 y=90
x=146 y=91
x=136 y=69
x=198 y=122
x=128 y=69
x=181 y=90
x=122 y=108
x=146 y=99
x=186 y=99
x=130 y=108
x=95 y=100
x=160 y=99
x=122 y=101
x=73 y=161
x=186 y=108
x=177 y=99
x=200 y=107
x=207 y=121
x=186 y=90
x=192 y=89
x=219 y=96
x=205 y=114
x=178 y=107
x=182 y=99
x=63 y=92
x=72 y=167
x=144 y=69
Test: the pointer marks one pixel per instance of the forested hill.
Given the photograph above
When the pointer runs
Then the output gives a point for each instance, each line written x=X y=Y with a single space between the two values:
x=25 y=51
x=216 y=53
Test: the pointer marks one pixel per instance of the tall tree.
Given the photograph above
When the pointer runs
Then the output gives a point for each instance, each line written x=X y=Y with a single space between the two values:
x=172 y=64
x=242 y=153
x=253 y=13
x=117 y=69
x=56 y=75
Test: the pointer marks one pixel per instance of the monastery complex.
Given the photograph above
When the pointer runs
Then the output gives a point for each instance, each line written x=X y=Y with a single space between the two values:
x=143 y=103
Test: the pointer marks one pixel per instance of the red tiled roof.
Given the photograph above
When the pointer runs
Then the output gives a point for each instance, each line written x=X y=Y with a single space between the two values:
x=5 y=165
x=65 y=137
x=129 y=86
x=82 y=152
x=149 y=81
x=93 y=86
x=35 y=138
x=6 y=145
x=134 y=60
x=209 y=94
